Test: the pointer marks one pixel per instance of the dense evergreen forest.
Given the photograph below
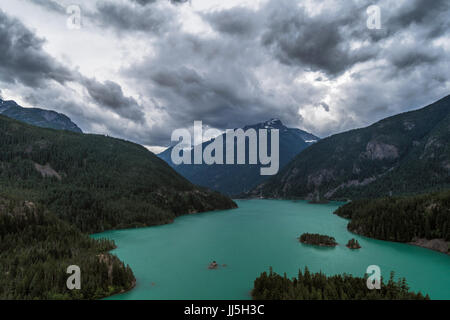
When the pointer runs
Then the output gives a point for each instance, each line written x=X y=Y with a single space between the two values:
x=96 y=182
x=36 y=248
x=318 y=239
x=400 y=219
x=318 y=286
x=57 y=186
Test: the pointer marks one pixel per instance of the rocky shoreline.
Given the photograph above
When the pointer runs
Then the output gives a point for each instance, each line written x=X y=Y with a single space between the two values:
x=434 y=244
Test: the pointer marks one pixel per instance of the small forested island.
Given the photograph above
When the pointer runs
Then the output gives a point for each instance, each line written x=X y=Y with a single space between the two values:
x=318 y=286
x=318 y=240
x=422 y=220
x=353 y=244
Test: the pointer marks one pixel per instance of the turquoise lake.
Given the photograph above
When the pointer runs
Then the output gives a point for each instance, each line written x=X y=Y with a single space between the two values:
x=171 y=261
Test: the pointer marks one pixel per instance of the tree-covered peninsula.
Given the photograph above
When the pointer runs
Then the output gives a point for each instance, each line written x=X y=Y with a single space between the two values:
x=318 y=286
x=422 y=219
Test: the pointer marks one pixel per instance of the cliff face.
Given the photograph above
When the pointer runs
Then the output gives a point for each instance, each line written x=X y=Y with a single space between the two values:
x=406 y=153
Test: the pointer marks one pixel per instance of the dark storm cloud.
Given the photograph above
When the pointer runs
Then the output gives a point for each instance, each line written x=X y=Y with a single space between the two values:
x=412 y=30
x=22 y=59
x=50 y=5
x=125 y=18
x=402 y=58
x=109 y=95
x=406 y=58
x=423 y=18
x=324 y=106
x=207 y=78
x=317 y=43
x=235 y=21
x=255 y=66
x=213 y=79
x=212 y=97
x=323 y=42
x=431 y=14
x=120 y=16
x=145 y=2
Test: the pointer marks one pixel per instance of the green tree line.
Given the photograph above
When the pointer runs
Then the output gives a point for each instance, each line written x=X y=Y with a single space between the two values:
x=318 y=286
x=36 y=248
x=400 y=219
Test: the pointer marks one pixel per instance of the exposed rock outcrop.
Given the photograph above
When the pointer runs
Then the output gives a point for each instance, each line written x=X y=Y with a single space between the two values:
x=47 y=171
x=380 y=151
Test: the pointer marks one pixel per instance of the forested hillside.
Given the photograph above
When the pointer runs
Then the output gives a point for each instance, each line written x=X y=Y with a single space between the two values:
x=404 y=154
x=95 y=182
x=36 y=248
x=57 y=186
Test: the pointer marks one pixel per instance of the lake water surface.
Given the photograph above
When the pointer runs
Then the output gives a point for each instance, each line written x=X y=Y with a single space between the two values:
x=170 y=261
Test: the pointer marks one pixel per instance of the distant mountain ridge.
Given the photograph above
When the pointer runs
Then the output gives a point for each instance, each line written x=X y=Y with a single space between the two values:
x=38 y=117
x=236 y=179
x=403 y=154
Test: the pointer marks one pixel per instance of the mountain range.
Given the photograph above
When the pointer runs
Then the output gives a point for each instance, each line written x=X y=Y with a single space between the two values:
x=38 y=117
x=57 y=186
x=405 y=154
x=238 y=178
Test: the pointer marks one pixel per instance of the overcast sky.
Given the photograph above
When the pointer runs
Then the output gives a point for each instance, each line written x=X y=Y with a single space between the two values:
x=138 y=69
